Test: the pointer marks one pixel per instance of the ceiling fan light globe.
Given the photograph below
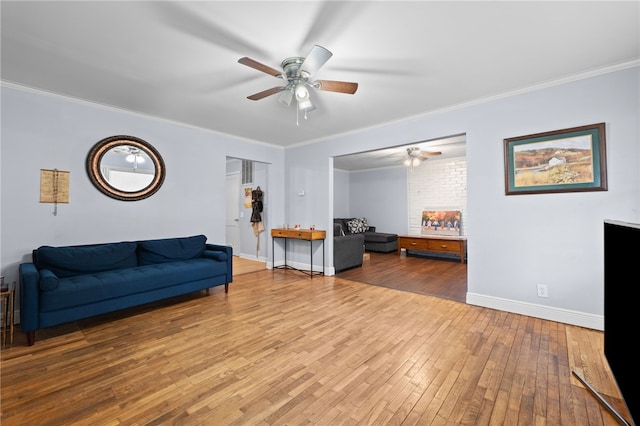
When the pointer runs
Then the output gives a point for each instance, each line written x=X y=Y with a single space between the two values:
x=415 y=162
x=306 y=106
x=286 y=97
x=301 y=92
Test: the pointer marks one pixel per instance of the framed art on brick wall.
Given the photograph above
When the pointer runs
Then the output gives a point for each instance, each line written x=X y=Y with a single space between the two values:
x=441 y=222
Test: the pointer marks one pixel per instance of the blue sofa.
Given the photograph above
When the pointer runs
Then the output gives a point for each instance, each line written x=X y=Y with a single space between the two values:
x=65 y=284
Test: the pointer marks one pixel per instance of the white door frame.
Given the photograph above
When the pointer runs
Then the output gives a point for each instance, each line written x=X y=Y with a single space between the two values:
x=232 y=229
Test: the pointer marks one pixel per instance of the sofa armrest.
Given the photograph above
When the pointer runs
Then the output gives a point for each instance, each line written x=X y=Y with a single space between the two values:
x=29 y=297
x=348 y=251
x=228 y=250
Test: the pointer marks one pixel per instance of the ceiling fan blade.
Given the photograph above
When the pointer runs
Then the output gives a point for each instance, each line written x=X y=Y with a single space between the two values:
x=316 y=58
x=265 y=93
x=430 y=153
x=332 y=18
x=188 y=17
x=260 y=67
x=336 y=86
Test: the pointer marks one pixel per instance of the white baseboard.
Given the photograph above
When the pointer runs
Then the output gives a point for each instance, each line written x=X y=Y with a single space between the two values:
x=252 y=257
x=566 y=316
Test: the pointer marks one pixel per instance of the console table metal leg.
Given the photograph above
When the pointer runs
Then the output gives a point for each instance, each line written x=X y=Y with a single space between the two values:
x=322 y=257
x=311 y=256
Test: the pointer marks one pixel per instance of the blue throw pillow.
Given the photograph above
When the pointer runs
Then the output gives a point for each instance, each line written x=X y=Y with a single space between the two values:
x=220 y=256
x=48 y=280
x=170 y=249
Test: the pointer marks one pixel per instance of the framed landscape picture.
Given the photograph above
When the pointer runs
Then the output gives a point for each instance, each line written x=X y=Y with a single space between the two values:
x=440 y=222
x=568 y=160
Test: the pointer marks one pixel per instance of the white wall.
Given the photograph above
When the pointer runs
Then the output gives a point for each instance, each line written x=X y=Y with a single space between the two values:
x=381 y=197
x=44 y=131
x=341 y=194
x=437 y=185
x=516 y=242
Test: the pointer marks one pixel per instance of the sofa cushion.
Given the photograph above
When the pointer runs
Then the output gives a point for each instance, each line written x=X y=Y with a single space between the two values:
x=170 y=249
x=337 y=230
x=343 y=222
x=70 y=261
x=93 y=288
x=357 y=225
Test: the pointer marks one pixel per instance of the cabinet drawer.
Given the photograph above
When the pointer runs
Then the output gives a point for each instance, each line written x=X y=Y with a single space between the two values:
x=444 y=245
x=290 y=233
x=301 y=234
x=416 y=244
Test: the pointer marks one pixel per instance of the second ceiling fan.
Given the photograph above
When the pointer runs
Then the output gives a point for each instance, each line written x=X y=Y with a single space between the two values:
x=297 y=71
x=415 y=156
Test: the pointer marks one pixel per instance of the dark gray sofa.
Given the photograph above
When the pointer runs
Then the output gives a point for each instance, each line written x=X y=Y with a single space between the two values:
x=373 y=241
x=348 y=249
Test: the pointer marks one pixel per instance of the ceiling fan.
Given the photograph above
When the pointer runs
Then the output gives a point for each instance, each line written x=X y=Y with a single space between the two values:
x=415 y=156
x=297 y=71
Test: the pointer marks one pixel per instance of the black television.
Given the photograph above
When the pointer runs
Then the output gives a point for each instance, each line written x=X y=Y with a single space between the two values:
x=621 y=312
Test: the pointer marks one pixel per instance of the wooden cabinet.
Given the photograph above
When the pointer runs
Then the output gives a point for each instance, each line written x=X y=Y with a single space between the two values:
x=433 y=243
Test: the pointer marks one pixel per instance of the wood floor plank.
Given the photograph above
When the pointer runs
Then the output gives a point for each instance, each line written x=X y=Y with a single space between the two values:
x=281 y=348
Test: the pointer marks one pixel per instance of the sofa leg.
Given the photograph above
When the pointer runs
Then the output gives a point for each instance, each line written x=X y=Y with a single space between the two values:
x=31 y=337
x=226 y=287
x=207 y=292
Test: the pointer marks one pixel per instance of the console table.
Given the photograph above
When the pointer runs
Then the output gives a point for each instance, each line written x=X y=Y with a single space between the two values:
x=434 y=243
x=310 y=235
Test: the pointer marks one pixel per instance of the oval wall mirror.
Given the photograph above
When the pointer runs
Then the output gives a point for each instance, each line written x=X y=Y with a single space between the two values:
x=125 y=168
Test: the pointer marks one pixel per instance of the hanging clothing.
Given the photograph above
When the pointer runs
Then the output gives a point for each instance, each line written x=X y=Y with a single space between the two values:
x=256 y=216
x=256 y=212
x=258 y=227
x=256 y=205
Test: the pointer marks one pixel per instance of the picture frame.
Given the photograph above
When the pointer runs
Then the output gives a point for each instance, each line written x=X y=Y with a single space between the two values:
x=566 y=160
x=440 y=222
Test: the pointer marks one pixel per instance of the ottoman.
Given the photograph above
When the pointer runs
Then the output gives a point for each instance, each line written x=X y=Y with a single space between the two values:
x=380 y=242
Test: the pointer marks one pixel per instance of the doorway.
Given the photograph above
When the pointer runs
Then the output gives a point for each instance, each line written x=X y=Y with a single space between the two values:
x=242 y=177
x=401 y=195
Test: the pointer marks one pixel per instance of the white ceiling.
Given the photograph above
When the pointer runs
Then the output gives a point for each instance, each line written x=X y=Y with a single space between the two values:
x=178 y=60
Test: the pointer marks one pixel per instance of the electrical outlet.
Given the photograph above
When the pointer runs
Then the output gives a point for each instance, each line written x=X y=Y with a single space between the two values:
x=542 y=290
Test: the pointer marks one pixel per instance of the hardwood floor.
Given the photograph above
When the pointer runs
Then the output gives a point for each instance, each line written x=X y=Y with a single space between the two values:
x=242 y=265
x=417 y=274
x=283 y=349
